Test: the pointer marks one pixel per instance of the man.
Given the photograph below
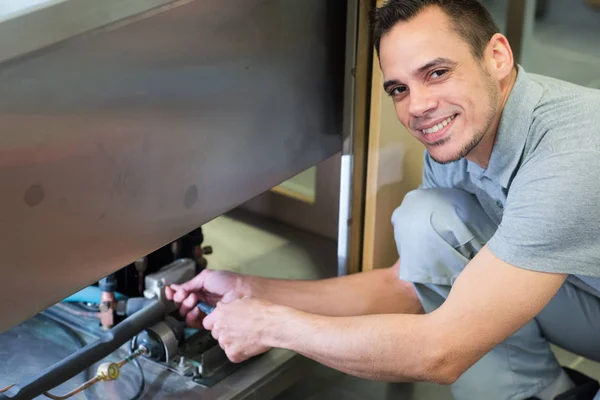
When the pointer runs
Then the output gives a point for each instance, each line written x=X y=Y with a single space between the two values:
x=499 y=248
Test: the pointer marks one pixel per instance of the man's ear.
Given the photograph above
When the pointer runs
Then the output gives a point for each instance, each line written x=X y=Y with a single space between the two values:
x=499 y=56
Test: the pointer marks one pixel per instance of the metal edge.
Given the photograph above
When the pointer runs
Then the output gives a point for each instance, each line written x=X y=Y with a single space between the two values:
x=349 y=77
x=363 y=79
x=356 y=121
x=54 y=23
x=347 y=144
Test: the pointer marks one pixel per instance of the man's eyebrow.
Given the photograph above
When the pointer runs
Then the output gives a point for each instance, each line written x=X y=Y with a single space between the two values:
x=387 y=84
x=434 y=63
x=431 y=64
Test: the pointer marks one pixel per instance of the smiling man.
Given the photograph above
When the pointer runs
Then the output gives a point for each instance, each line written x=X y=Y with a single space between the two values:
x=499 y=248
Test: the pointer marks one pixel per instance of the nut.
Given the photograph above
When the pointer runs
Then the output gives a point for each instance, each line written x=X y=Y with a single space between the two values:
x=108 y=371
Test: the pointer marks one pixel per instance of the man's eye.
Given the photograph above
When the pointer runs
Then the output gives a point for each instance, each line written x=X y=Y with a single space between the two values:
x=397 y=90
x=438 y=73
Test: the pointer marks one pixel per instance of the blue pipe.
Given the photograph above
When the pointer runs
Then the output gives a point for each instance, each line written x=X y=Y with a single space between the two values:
x=90 y=294
x=205 y=308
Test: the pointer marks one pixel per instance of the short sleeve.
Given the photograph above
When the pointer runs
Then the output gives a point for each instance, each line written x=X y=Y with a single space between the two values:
x=551 y=221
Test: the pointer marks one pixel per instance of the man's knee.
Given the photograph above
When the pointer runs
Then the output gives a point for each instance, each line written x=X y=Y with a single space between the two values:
x=414 y=214
x=433 y=236
x=420 y=203
x=425 y=212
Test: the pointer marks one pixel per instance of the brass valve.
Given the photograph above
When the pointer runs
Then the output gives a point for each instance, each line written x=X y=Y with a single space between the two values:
x=108 y=371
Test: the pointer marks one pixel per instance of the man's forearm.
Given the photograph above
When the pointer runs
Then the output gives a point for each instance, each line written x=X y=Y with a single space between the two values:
x=381 y=347
x=373 y=292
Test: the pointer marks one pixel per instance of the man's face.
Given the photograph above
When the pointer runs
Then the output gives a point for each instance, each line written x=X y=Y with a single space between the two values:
x=442 y=93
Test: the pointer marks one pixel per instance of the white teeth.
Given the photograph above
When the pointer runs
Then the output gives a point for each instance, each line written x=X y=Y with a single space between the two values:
x=439 y=126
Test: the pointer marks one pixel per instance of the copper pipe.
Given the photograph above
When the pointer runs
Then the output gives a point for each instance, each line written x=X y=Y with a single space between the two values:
x=6 y=389
x=80 y=389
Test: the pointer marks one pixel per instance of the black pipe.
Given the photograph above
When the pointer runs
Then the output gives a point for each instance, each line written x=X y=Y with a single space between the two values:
x=135 y=304
x=90 y=354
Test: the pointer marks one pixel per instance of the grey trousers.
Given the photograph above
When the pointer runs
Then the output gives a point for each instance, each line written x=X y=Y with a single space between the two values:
x=437 y=232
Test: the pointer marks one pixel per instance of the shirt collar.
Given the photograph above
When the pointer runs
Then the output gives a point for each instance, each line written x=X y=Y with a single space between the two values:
x=513 y=130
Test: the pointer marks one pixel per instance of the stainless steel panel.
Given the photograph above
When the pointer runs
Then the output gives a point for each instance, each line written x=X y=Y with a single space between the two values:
x=116 y=142
x=29 y=25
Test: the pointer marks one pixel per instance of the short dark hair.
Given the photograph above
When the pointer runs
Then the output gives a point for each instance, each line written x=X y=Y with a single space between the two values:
x=469 y=18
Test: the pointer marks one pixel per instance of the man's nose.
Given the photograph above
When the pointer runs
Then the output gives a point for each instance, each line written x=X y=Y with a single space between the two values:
x=421 y=102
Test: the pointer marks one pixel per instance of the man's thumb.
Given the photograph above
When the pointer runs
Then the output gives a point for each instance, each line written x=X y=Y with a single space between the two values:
x=229 y=297
x=197 y=283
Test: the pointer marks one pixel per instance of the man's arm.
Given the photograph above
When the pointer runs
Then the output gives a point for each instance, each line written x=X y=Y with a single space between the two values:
x=489 y=302
x=375 y=292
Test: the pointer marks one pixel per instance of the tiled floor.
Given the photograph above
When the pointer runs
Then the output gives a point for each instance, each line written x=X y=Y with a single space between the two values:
x=325 y=384
x=573 y=361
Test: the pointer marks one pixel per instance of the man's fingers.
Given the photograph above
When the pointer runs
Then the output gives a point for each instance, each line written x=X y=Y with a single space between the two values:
x=214 y=334
x=229 y=297
x=209 y=322
x=180 y=295
x=195 y=284
x=169 y=293
x=194 y=319
x=188 y=304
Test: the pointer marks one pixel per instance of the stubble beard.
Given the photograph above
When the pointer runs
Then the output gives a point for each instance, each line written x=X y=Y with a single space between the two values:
x=467 y=148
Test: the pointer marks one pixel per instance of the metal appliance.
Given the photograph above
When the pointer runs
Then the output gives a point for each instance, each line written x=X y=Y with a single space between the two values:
x=127 y=124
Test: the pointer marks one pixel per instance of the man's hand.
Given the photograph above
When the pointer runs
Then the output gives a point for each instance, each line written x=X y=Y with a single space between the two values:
x=241 y=327
x=210 y=287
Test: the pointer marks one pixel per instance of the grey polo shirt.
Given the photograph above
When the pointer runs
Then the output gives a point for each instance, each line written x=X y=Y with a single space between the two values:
x=542 y=184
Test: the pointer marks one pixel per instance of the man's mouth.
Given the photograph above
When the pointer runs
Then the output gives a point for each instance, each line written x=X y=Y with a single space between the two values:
x=436 y=132
x=439 y=126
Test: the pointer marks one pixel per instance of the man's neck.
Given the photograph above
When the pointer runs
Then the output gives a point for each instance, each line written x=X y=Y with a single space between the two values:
x=483 y=152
